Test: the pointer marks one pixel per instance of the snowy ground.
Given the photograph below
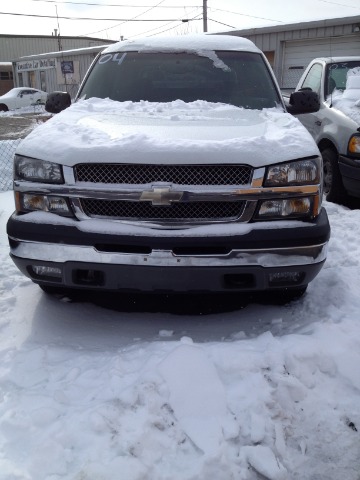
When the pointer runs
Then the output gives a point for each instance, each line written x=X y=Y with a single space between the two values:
x=93 y=393
x=103 y=388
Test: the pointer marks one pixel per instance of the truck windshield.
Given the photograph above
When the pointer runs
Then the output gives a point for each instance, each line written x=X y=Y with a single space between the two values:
x=238 y=78
x=336 y=75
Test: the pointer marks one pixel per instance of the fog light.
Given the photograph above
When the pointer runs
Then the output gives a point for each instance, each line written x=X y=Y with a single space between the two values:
x=58 y=205
x=285 y=208
x=30 y=203
x=286 y=278
x=42 y=271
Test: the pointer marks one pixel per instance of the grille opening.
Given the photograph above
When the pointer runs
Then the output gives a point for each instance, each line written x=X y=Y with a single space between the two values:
x=88 y=277
x=142 y=174
x=220 y=250
x=192 y=211
x=138 y=249
x=239 y=280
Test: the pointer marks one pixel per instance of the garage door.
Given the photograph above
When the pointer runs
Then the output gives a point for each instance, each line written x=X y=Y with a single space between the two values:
x=297 y=55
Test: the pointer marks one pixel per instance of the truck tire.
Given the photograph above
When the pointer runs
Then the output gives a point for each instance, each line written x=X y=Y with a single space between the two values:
x=334 y=190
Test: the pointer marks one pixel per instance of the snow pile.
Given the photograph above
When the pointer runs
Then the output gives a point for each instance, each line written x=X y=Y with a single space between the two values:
x=348 y=101
x=258 y=392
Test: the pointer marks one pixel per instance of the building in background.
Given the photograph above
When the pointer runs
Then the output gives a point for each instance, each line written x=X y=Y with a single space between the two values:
x=55 y=71
x=13 y=47
x=16 y=46
x=6 y=77
x=290 y=48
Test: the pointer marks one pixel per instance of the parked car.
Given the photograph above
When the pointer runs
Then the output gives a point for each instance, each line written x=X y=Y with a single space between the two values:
x=336 y=126
x=21 y=97
x=177 y=169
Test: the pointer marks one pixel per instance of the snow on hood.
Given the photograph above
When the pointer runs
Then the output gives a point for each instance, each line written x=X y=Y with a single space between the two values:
x=98 y=130
x=348 y=101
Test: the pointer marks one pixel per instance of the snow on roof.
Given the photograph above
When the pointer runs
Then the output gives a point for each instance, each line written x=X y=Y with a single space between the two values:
x=349 y=58
x=192 y=43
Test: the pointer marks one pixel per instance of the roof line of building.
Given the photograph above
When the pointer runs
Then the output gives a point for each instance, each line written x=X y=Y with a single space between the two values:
x=62 y=53
x=329 y=22
x=74 y=37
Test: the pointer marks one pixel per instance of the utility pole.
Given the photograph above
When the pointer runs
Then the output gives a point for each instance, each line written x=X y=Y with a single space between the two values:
x=205 y=15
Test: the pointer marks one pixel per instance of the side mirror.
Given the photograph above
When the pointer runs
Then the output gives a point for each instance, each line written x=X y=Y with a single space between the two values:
x=57 y=102
x=303 y=101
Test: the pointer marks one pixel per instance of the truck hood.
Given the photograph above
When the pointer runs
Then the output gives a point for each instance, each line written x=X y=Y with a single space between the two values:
x=348 y=102
x=106 y=131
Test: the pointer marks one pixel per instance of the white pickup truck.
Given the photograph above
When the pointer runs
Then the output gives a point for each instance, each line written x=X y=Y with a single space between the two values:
x=177 y=169
x=336 y=126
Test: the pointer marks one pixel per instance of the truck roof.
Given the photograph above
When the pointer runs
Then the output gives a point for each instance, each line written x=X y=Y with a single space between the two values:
x=338 y=59
x=188 y=43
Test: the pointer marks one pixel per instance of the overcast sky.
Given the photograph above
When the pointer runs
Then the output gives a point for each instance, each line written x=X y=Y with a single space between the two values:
x=134 y=18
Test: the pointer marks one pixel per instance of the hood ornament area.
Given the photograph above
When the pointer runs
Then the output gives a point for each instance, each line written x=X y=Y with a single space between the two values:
x=161 y=196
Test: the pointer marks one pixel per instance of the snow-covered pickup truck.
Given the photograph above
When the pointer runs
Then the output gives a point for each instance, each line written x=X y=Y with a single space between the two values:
x=336 y=126
x=177 y=169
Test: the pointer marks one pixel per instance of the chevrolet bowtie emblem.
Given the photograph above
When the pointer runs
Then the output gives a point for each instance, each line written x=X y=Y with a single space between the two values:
x=161 y=196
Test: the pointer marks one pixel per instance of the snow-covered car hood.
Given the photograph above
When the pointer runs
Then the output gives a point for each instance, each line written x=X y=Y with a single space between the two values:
x=98 y=130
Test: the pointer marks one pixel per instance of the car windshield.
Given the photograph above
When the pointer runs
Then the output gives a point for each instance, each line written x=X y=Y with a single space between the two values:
x=238 y=78
x=336 y=75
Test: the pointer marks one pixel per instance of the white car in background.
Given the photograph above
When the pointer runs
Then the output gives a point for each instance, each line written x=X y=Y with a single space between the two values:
x=21 y=97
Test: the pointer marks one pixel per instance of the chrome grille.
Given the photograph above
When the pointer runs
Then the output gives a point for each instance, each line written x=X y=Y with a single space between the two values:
x=141 y=211
x=174 y=174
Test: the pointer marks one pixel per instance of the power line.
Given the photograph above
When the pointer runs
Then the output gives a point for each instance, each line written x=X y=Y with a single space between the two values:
x=108 y=4
x=221 y=23
x=98 y=19
x=152 y=29
x=163 y=31
x=244 y=15
x=140 y=14
x=340 y=4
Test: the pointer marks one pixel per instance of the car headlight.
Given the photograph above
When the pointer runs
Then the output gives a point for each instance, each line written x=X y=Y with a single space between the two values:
x=34 y=170
x=354 y=145
x=300 y=172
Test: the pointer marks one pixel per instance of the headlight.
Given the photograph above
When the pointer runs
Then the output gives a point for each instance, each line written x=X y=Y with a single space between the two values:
x=300 y=172
x=34 y=170
x=354 y=145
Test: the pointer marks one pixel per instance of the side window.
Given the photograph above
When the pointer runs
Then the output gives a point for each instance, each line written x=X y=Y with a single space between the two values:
x=313 y=78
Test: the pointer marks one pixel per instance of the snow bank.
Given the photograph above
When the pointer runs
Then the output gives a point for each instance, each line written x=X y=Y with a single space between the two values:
x=250 y=393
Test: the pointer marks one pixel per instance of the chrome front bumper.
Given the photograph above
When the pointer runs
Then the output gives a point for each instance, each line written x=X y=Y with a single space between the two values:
x=272 y=257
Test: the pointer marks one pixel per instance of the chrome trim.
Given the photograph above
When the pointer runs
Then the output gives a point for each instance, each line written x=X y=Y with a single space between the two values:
x=189 y=195
x=164 y=194
x=270 y=257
